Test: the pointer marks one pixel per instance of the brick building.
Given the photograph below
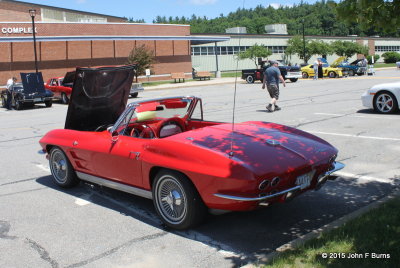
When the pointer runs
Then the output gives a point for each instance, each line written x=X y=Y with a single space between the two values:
x=68 y=38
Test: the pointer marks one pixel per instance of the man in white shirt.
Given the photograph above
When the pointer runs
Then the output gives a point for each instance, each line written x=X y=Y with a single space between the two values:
x=315 y=67
x=10 y=84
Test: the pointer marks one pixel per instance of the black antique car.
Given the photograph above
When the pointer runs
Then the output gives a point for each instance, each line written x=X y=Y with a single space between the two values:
x=28 y=93
x=292 y=73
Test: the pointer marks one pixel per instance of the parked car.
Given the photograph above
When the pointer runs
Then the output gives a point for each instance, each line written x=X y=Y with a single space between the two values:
x=135 y=89
x=357 y=67
x=383 y=98
x=288 y=72
x=330 y=72
x=61 y=86
x=163 y=149
x=28 y=93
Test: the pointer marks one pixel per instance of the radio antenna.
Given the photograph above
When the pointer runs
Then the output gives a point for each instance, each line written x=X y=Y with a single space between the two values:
x=231 y=153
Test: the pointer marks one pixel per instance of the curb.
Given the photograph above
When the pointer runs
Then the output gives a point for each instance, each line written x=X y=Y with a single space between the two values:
x=215 y=81
x=330 y=226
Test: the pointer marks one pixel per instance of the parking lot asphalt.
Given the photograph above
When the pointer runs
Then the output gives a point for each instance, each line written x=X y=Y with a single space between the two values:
x=42 y=225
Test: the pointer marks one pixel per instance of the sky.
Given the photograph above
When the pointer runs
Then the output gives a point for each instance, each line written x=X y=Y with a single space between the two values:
x=150 y=9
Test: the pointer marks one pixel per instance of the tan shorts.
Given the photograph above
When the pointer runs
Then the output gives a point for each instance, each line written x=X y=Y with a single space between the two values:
x=273 y=91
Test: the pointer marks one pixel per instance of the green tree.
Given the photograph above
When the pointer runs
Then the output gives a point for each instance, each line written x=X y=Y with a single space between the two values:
x=378 y=14
x=143 y=58
x=295 y=45
x=255 y=52
x=348 y=49
x=318 y=47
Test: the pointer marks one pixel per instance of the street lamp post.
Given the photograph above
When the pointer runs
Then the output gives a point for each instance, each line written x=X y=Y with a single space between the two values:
x=304 y=45
x=32 y=13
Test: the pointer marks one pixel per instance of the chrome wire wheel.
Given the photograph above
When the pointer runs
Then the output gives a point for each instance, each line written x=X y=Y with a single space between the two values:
x=171 y=199
x=58 y=166
x=61 y=169
x=385 y=103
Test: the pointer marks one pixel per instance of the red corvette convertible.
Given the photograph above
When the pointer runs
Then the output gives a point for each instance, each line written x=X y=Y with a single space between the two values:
x=162 y=149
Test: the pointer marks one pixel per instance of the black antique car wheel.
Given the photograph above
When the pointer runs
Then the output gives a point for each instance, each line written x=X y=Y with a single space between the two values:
x=134 y=95
x=61 y=169
x=48 y=103
x=304 y=74
x=352 y=73
x=3 y=102
x=332 y=74
x=250 y=79
x=18 y=105
x=385 y=102
x=176 y=200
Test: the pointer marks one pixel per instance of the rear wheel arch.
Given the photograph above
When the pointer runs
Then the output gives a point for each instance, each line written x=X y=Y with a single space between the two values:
x=157 y=169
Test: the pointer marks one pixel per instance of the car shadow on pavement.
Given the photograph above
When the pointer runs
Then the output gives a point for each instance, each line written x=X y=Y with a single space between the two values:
x=247 y=237
x=366 y=111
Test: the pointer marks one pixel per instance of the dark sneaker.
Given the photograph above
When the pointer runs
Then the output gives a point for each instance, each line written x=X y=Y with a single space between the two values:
x=277 y=108
x=269 y=108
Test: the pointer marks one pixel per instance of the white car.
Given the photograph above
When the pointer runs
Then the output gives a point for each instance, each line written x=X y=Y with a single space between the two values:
x=384 y=98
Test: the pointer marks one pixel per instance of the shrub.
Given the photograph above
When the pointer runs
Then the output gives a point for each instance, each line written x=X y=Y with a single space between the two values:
x=376 y=58
x=391 y=57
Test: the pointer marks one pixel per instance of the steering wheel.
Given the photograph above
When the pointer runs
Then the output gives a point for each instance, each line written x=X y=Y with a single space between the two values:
x=169 y=127
x=142 y=132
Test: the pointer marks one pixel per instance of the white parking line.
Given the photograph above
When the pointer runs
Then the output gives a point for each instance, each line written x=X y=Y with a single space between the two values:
x=353 y=136
x=361 y=116
x=362 y=178
x=43 y=167
x=329 y=114
x=84 y=200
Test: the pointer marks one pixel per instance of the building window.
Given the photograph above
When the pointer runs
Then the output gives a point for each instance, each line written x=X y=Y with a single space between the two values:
x=196 y=51
x=230 y=50
x=387 y=48
x=54 y=15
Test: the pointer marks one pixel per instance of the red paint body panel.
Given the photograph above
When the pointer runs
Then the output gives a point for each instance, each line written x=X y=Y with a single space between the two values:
x=201 y=152
x=55 y=85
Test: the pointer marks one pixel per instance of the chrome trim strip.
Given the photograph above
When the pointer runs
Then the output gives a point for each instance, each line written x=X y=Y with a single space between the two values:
x=337 y=166
x=238 y=198
x=115 y=185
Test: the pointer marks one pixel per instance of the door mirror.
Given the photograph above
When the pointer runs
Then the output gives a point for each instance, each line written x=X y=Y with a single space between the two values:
x=114 y=136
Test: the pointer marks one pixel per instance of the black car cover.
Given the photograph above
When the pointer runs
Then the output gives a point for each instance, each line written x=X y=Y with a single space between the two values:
x=99 y=96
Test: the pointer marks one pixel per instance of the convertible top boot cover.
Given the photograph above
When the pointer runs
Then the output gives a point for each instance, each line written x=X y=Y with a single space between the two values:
x=99 y=96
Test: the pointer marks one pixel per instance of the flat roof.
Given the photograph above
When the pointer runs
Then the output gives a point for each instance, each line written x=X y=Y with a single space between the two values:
x=290 y=36
x=196 y=40
x=60 y=8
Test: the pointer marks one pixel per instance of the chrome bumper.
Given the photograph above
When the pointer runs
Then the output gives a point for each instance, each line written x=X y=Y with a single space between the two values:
x=321 y=180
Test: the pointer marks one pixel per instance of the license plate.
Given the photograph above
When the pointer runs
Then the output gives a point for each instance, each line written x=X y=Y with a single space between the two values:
x=291 y=73
x=37 y=99
x=304 y=181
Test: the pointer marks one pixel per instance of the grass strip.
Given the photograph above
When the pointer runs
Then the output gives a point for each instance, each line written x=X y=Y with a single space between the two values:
x=371 y=240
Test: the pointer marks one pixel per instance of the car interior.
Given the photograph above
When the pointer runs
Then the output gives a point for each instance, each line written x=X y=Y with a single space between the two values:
x=160 y=119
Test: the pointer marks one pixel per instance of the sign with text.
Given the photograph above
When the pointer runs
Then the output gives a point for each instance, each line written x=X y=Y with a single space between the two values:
x=17 y=30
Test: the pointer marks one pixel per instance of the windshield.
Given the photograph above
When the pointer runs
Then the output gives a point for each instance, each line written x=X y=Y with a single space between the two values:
x=152 y=111
x=162 y=109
